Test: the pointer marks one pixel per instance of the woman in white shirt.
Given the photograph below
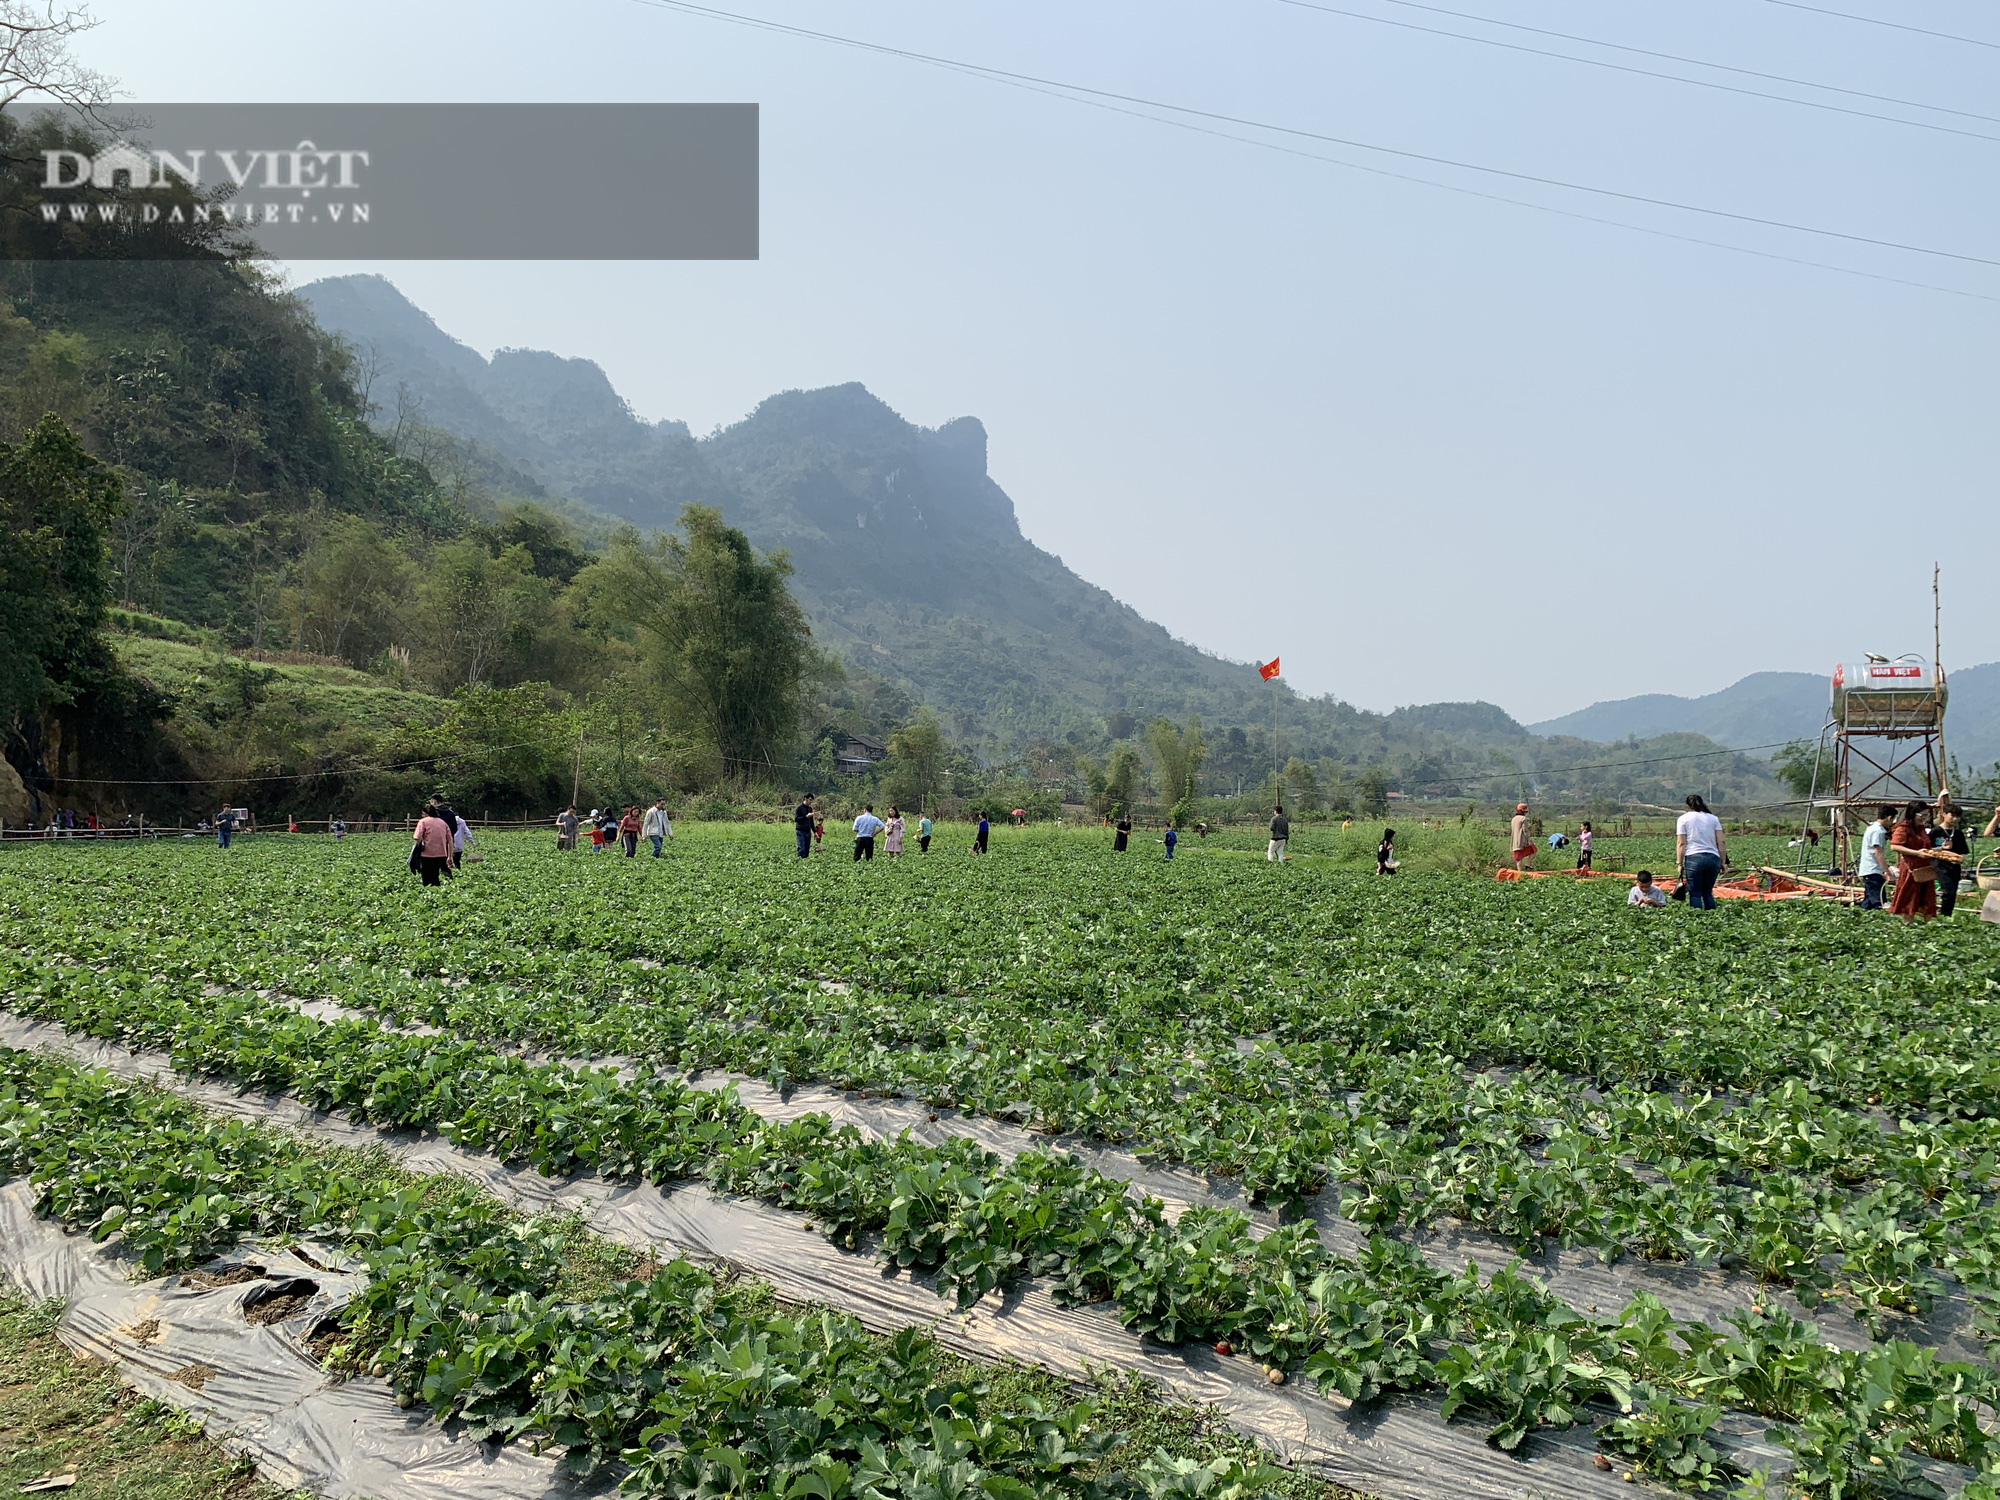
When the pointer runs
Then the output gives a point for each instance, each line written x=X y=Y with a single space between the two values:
x=1699 y=849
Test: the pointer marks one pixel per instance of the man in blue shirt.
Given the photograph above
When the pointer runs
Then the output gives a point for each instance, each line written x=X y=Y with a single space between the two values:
x=865 y=828
x=225 y=824
x=979 y=837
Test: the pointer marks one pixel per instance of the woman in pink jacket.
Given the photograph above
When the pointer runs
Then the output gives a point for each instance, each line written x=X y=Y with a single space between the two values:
x=430 y=855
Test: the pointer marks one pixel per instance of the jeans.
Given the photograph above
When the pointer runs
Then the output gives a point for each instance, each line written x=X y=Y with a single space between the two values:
x=631 y=842
x=658 y=839
x=432 y=867
x=1701 y=870
x=923 y=843
x=864 y=846
x=1947 y=888
x=222 y=838
x=1871 y=888
x=805 y=842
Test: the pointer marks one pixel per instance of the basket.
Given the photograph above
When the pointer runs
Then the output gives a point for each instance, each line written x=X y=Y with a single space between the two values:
x=1987 y=882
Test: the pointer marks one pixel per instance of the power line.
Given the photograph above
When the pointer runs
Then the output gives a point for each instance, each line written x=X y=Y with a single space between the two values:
x=403 y=765
x=1943 y=36
x=1700 y=83
x=686 y=7
x=1692 y=62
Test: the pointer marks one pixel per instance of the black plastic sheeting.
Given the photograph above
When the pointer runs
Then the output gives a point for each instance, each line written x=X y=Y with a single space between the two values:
x=1398 y=1450
x=187 y=1341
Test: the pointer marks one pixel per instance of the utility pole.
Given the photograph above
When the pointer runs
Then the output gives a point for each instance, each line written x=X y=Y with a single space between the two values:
x=576 y=777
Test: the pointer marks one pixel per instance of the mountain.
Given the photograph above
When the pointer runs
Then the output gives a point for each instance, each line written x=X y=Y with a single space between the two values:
x=1765 y=708
x=1768 y=708
x=909 y=558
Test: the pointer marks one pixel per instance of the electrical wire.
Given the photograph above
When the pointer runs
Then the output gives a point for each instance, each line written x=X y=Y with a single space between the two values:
x=1700 y=83
x=402 y=765
x=1065 y=89
x=1692 y=62
x=1944 y=36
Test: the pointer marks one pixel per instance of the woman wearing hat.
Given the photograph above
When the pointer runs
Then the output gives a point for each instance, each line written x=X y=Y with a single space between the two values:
x=1524 y=841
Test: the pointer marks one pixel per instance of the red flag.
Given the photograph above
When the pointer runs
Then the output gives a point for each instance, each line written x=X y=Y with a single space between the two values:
x=1269 y=669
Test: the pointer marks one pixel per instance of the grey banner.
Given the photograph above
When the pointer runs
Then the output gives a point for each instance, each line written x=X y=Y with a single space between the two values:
x=400 y=181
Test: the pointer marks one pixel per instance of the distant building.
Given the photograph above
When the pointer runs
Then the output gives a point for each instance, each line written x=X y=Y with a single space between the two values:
x=857 y=752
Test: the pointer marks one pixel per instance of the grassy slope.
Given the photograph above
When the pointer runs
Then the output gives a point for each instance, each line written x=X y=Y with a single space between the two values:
x=60 y=1415
x=314 y=697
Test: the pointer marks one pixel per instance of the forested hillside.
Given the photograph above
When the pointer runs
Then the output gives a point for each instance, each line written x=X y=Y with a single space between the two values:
x=913 y=567
x=322 y=555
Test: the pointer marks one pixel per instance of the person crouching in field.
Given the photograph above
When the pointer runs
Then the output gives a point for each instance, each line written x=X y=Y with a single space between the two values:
x=1385 y=853
x=1645 y=893
x=430 y=847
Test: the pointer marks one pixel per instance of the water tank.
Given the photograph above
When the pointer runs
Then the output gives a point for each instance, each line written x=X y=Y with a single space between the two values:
x=1888 y=694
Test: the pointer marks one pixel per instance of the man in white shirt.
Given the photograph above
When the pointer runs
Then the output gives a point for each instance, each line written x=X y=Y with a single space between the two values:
x=1874 y=868
x=657 y=827
x=865 y=828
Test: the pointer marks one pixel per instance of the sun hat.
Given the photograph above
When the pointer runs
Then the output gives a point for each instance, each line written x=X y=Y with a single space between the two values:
x=1520 y=807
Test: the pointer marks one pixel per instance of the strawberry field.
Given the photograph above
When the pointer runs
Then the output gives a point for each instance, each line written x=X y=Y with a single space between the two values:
x=1727 y=1174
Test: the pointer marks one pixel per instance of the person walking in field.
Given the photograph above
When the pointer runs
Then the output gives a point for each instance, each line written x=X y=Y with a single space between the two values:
x=1385 y=853
x=1583 y=841
x=461 y=840
x=1170 y=840
x=657 y=827
x=1873 y=866
x=1121 y=835
x=1281 y=836
x=1916 y=871
x=802 y=824
x=1523 y=839
x=865 y=828
x=430 y=847
x=924 y=834
x=979 y=834
x=628 y=831
x=1700 y=851
x=225 y=824
x=892 y=833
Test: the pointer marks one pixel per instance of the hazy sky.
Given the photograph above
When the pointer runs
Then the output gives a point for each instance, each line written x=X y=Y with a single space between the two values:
x=1425 y=444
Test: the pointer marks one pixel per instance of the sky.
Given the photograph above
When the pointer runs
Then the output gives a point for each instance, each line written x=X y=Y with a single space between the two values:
x=1423 y=444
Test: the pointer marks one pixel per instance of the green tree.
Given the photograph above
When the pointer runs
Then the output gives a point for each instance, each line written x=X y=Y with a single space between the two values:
x=348 y=591
x=1794 y=765
x=1371 y=792
x=56 y=507
x=728 y=642
x=477 y=613
x=1115 y=785
x=1304 y=782
x=1177 y=756
x=919 y=751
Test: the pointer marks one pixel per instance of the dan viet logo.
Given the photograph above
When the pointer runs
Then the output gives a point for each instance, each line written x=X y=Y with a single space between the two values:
x=296 y=172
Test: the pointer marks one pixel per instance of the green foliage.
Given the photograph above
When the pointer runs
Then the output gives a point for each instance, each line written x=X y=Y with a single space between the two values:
x=729 y=643
x=1178 y=754
x=56 y=503
x=1794 y=764
x=918 y=769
